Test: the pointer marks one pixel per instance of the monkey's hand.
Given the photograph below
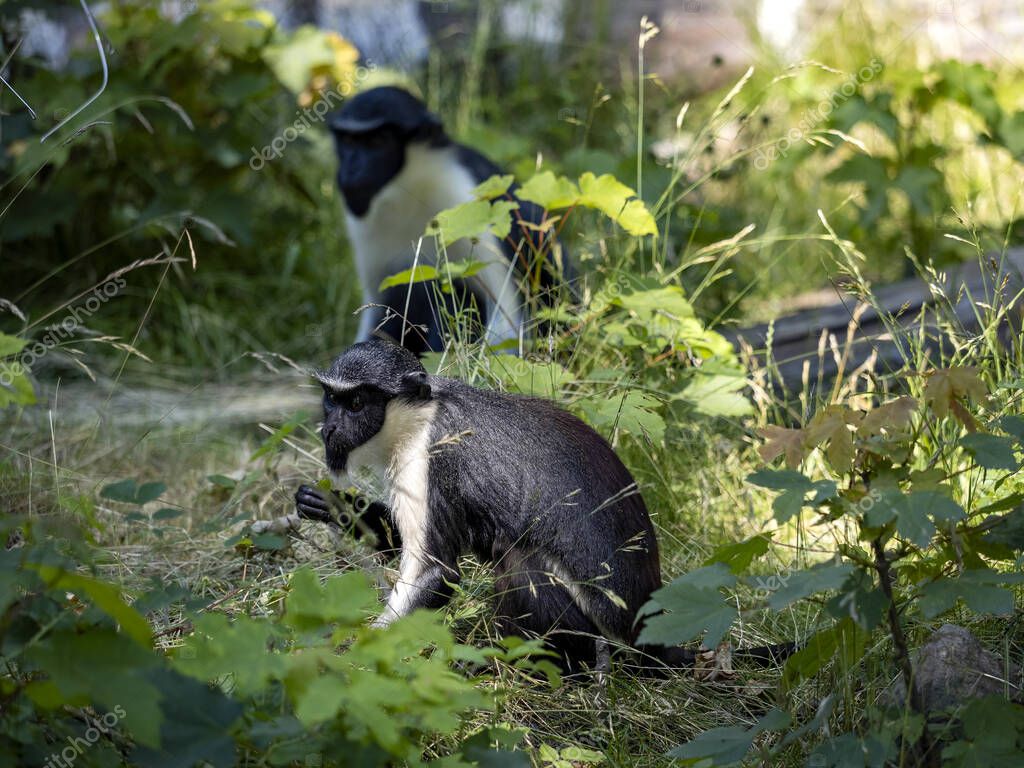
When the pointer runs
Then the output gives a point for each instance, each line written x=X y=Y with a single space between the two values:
x=311 y=503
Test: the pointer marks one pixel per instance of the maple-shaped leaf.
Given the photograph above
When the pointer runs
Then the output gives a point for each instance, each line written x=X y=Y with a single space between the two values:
x=832 y=425
x=947 y=387
x=891 y=417
x=781 y=441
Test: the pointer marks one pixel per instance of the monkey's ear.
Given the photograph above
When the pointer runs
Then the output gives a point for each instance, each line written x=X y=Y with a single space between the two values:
x=416 y=384
x=430 y=128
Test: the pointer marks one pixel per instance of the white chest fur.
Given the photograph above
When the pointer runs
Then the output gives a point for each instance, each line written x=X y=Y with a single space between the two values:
x=393 y=467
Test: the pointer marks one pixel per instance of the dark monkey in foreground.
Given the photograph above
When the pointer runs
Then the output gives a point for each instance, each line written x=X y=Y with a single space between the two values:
x=516 y=481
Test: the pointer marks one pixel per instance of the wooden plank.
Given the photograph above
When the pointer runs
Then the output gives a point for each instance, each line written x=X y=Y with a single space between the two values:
x=796 y=338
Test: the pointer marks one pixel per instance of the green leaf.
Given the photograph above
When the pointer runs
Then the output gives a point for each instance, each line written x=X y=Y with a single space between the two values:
x=495 y=186
x=844 y=638
x=106 y=597
x=913 y=513
x=980 y=589
x=11 y=345
x=848 y=751
x=780 y=480
x=970 y=85
x=270 y=542
x=993 y=731
x=1011 y=132
x=294 y=58
x=795 y=487
x=1013 y=425
x=991 y=451
x=796 y=585
x=549 y=191
x=128 y=492
x=15 y=385
x=876 y=111
x=918 y=184
x=528 y=377
x=320 y=701
x=421 y=273
x=872 y=173
x=633 y=412
x=692 y=604
x=473 y=219
x=728 y=745
x=223 y=481
x=123 y=491
x=149 y=492
x=347 y=599
x=669 y=300
x=861 y=600
x=196 y=727
x=105 y=668
x=167 y=513
x=738 y=556
x=1007 y=530
x=276 y=440
x=479 y=749
x=717 y=395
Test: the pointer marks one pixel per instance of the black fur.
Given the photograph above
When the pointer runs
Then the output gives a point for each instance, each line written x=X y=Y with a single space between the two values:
x=562 y=510
x=520 y=483
x=417 y=313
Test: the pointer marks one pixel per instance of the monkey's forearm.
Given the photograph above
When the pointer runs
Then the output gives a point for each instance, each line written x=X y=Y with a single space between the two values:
x=430 y=587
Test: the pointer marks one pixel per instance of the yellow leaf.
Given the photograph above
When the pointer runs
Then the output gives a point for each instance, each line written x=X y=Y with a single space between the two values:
x=891 y=417
x=495 y=186
x=947 y=386
x=832 y=424
x=549 y=191
x=618 y=202
x=782 y=441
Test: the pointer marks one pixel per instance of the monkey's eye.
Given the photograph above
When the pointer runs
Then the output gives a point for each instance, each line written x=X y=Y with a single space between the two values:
x=355 y=404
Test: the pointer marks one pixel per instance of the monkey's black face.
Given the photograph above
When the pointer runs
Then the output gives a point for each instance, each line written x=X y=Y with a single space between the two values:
x=367 y=162
x=357 y=389
x=351 y=418
x=371 y=132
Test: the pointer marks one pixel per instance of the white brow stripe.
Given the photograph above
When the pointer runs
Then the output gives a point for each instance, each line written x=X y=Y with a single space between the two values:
x=338 y=385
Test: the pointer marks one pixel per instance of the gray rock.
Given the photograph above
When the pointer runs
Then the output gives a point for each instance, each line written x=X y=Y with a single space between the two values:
x=953 y=667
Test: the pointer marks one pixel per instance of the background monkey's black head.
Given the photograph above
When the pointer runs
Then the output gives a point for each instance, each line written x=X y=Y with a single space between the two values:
x=371 y=133
x=358 y=387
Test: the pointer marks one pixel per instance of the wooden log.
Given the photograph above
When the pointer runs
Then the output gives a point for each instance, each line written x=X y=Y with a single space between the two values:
x=851 y=330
